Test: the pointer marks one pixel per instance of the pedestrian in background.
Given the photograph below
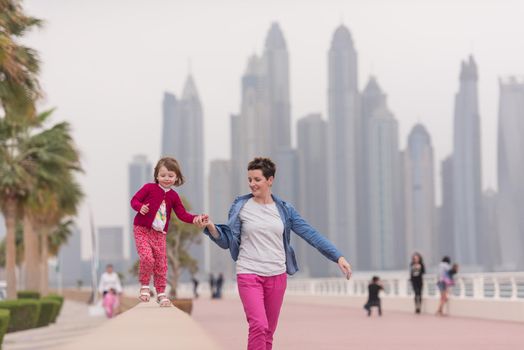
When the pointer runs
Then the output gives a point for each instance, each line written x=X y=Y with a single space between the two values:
x=374 y=288
x=416 y=272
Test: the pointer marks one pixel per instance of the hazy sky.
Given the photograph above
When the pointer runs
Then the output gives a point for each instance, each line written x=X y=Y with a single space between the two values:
x=106 y=64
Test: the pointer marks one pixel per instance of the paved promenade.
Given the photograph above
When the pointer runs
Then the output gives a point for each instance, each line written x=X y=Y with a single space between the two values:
x=306 y=325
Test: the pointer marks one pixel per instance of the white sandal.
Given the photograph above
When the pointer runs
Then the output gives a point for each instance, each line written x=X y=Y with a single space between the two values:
x=163 y=300
x=145 y=294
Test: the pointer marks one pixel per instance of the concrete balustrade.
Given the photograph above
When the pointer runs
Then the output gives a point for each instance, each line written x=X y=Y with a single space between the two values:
x=146 y=326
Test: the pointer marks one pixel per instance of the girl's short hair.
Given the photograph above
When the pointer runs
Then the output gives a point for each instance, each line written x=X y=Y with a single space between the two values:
x=171 y=164
x=265 y=164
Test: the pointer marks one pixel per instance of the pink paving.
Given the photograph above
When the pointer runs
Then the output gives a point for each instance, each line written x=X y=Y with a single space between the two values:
x=307 y=327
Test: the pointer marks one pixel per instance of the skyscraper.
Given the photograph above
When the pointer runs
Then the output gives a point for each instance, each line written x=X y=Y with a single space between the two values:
x=140 y=172
x=189 y=145
x=343 y=100
x=250 y=129
x=312 y=164
x=111 y=247
x=263 y=127
x=277 y=64
x=467 y=182
x=490 y=239
x=446 y=237
x=183 y=139
x=169 y=120
x=70 y=260
x=511 y=172
x=220 y=199
x=286 y=184
x=384 y=188
x=419 y=195
x=372 y=97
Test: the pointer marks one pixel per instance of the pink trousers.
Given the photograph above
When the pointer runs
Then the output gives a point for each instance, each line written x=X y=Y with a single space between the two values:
x=262 y=298
x=110 y=304
x=151 y=248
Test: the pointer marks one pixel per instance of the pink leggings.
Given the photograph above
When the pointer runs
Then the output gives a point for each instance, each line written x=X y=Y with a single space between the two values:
x=151 y=248
x=262 y=298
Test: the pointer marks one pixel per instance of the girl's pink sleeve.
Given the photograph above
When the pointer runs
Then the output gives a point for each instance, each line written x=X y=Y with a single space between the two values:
x=138 y=198
x=181 y=212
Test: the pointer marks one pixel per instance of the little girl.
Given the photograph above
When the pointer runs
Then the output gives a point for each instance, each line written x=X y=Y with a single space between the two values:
x=154 y=202
x=110 y=303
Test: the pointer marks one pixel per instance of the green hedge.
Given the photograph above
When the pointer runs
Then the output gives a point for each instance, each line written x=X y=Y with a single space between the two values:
x=60 y=300
x=4 y=323
x=28 y=294
x=48 y=308
x=24 y=313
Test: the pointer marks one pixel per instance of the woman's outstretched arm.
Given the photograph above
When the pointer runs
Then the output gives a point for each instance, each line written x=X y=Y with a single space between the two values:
x=302 y=228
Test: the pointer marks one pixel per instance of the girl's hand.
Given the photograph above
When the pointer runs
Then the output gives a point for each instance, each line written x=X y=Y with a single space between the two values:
x=345 y=267
x=144 y=209
x=200 y=220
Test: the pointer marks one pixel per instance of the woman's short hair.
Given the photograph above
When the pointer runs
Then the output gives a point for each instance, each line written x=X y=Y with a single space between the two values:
x=171 y=164
x=266 y=165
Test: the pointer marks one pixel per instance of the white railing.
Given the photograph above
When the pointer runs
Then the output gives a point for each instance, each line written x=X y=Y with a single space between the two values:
x=489 y=286
x=492 y=286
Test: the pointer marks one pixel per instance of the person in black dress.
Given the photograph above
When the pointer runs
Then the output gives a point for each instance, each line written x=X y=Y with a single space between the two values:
x=417 y=271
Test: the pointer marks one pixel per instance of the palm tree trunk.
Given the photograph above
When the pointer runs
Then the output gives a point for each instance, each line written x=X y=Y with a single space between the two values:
x=10 y=247
x=44 y=256
x=31 y=256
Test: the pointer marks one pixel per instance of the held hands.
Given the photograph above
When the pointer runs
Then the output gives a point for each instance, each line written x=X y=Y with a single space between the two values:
x=201 y=220
x=144 y=209
x=345 y=267
x=212 y=228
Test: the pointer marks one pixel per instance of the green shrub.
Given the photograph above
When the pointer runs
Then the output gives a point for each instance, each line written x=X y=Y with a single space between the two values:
x=60 y=300
x=24 y=313
x=48 y=308
x=4 y=323
x=28 y=294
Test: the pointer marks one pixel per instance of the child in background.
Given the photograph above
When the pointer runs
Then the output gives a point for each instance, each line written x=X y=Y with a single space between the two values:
x=110 y=302
x=153 y=203
x=374 y=288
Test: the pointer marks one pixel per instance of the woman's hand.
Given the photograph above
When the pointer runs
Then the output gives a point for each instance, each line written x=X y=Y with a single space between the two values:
x=212 y=228
x=201 y=220
x=345 y=267
x=144 y=209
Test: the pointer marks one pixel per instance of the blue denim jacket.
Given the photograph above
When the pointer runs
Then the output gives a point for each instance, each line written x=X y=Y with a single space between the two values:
x=230 y=232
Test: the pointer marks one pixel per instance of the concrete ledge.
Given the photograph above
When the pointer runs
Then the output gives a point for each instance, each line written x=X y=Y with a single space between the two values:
x=146 y=326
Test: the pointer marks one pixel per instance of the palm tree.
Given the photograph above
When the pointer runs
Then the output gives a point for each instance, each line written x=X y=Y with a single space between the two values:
x=56 y=195
x=59 y=236
x=19 y=89
x=62 y=203
x=19 y=65
x=34 y=162
x=15 y=183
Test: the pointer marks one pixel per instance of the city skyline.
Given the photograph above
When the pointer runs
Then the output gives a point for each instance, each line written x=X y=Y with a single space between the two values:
x=434 y=114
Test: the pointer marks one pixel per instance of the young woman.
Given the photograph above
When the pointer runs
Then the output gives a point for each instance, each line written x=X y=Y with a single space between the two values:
x=417 y=271
x=258 y=237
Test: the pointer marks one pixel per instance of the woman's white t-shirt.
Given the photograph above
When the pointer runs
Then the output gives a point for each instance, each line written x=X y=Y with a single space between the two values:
x=262 y=240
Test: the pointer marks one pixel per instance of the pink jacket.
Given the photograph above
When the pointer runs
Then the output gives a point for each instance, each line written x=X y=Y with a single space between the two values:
x=153 y=194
